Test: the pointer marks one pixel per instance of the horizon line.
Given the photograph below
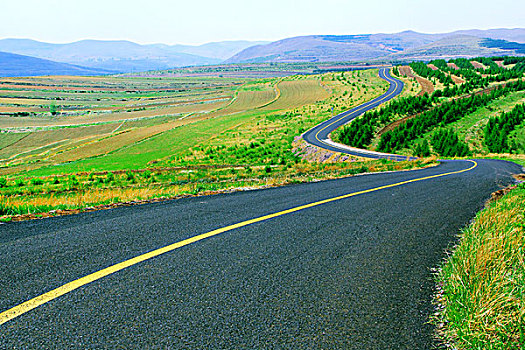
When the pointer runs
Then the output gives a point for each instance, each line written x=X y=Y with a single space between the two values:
x=246 y=40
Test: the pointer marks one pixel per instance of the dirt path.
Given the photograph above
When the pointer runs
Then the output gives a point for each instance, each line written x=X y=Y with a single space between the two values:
x=426 y=85
x=456 y=79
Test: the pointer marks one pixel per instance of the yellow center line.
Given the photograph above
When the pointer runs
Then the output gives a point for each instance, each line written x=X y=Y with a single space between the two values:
x=69 y=287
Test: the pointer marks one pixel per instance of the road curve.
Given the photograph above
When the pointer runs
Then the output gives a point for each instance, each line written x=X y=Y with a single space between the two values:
x=319 y=135
x=350 y=268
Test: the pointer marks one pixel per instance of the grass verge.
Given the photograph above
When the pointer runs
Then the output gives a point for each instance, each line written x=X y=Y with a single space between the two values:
x=22 y=199
x=482 y=284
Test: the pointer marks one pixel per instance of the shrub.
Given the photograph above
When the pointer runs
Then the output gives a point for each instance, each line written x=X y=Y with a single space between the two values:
x=130 y=177
x=110 y=177
x=37 y=181
x=422 y=149
x=73 y=181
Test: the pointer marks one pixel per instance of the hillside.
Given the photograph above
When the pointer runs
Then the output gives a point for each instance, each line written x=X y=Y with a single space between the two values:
x=12 y=65
x=408 y=45
x=457 y=46
x=516 y=34
x=332 y=47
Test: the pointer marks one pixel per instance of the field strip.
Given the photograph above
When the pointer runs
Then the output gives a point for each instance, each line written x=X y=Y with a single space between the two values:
x=24 y=123
x=14 y=143
x=118 y=127
x=123 y=139
x=33 y=150
x=277 y=95
x=296 y=93
x=71 y=286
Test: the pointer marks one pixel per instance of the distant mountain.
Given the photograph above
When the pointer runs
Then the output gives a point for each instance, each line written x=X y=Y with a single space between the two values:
x=459 y=46
x=219 y=50
x=13 y=65
x=371 y=47
x=333 y=47
x=516 y=34
x=119 y=56
x=97 y=56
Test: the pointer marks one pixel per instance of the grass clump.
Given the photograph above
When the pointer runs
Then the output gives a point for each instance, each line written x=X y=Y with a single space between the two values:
x=483 y=281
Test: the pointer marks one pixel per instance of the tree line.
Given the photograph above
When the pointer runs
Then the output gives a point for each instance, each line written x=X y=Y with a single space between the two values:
x=470 y=73
x=360 y=132
x=446 y=113
x=446 y=143
x=498 y=128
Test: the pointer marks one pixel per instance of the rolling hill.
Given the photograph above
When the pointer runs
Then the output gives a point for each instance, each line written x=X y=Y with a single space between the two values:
x=13 y=65
x=458 y=46
x=516 y=34
x=124 y=56
x=373 y=47
x=332 y=47
x=118 y=56
x=96 y=56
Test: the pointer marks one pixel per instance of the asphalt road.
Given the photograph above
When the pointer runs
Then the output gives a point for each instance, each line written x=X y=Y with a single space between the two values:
x=353 y=273
x=318 y=135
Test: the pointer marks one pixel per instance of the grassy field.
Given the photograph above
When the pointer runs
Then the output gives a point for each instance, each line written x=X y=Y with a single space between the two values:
x=483 y=282
x=87 y=157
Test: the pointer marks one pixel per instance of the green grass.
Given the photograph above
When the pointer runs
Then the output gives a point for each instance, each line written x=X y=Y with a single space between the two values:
x=483 y=281
x=173 y=142
x=471 y=127
x=39 y=195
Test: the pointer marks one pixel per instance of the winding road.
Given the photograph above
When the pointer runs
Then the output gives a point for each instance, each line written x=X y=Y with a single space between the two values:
x=319 y=135
x=339 y=264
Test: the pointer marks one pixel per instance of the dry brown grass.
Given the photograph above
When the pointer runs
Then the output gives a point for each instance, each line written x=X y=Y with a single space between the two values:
x=426 y=85
x=296 y=93
x=456 y=79
x=484 y=281
x=89 y=197
x=477 y=65
x=23 y=122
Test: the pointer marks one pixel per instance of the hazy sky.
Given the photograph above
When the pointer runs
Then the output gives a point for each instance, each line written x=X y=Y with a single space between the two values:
x=200 y=21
